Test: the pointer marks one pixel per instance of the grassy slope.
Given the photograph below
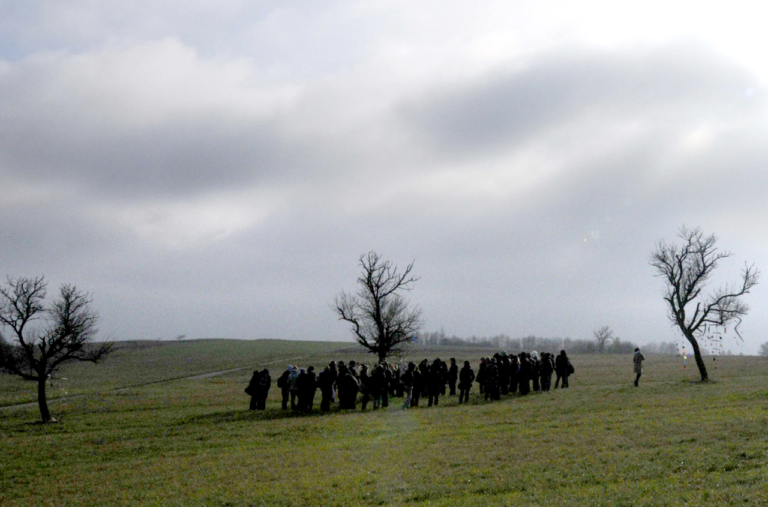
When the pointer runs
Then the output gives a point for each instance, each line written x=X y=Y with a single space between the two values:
x=141 y=362
x=602 y=442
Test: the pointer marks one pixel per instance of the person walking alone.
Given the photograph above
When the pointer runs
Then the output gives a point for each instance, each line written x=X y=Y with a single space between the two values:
x=638 y=360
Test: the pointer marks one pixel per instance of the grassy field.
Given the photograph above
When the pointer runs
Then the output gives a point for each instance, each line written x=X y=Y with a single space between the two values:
x=193 y=442
x=143 y=362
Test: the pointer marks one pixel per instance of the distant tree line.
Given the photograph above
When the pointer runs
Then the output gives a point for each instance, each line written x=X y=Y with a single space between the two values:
x=515 y=345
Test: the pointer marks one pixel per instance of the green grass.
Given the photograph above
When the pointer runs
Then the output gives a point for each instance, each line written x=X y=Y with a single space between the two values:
x=672 y=441
x=142 y=362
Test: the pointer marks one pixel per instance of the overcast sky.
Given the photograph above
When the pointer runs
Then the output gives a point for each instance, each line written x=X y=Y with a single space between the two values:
x=216 y=168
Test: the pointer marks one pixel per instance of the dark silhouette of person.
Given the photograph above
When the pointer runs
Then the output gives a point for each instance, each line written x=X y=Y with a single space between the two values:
x=306 y=386
x=435 y=382
x=480 y=378
x=365 y=386
x=562 y=369
x=535 y=370
x=386 y=383
x=378 y=385
x=406 y=383
x=514 y=373
x=397 y=380
x=547 y=368
x=638 y=362
x=252 y=390
x=348 y=388
x=502 y=362
x=262 y=391
x=418 y=386
x=524 y=376
x=492 y=380
x=325 y=382
x=466 y=377
x=424 y=371
x=293 y=382
x=453 y=376
x=284 y=384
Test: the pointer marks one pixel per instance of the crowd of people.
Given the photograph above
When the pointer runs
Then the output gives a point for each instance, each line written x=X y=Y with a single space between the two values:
x=346 y=384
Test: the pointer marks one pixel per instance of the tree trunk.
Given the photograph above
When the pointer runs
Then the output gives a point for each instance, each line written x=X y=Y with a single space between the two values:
x=382 y=356
x=42 y=401
x=697 y=355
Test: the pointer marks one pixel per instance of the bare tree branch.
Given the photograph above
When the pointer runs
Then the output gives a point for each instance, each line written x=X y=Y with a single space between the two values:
x=686 y=269
x=69 y=325
x=380 y=316
x=602 y=337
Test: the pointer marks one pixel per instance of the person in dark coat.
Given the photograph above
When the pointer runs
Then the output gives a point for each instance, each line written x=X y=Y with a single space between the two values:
x=637 y=360
x=435 y=383
x=502 y=362
x=397 y=378
x=505 y=372
x=466 y=377
x=492 y=380
x=386 y=381
x=453 y=376
x=348 y=389
x=378 y=385
x=283 y=382
x=265 y=382
x=252 y=390
x=524 y=377
x=325 y=382
x=365 y=386
x=306 y=386
x=535 y=370
x=547 y=368
x=480 y=378
x=418 y=387
x=562 y=369
x=293 y=382
x=424 y=371
x=406 y=382
x=514 y=373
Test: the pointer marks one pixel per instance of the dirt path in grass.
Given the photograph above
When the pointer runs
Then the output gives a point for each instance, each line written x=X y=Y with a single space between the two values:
x=197 y=376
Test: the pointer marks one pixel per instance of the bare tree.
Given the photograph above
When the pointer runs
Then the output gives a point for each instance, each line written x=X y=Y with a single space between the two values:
x=45 y=337
x=602 y=337
x=686 y=269
x=382 y=319
x=764 y=349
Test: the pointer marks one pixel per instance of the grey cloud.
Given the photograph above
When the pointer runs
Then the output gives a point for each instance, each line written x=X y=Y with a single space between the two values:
x=137 y=145
x=490 y=262
x=674 y=84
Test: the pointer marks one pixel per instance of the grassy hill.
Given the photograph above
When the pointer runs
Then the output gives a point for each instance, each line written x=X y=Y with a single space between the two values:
x=142 y=362
x=193 y=442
